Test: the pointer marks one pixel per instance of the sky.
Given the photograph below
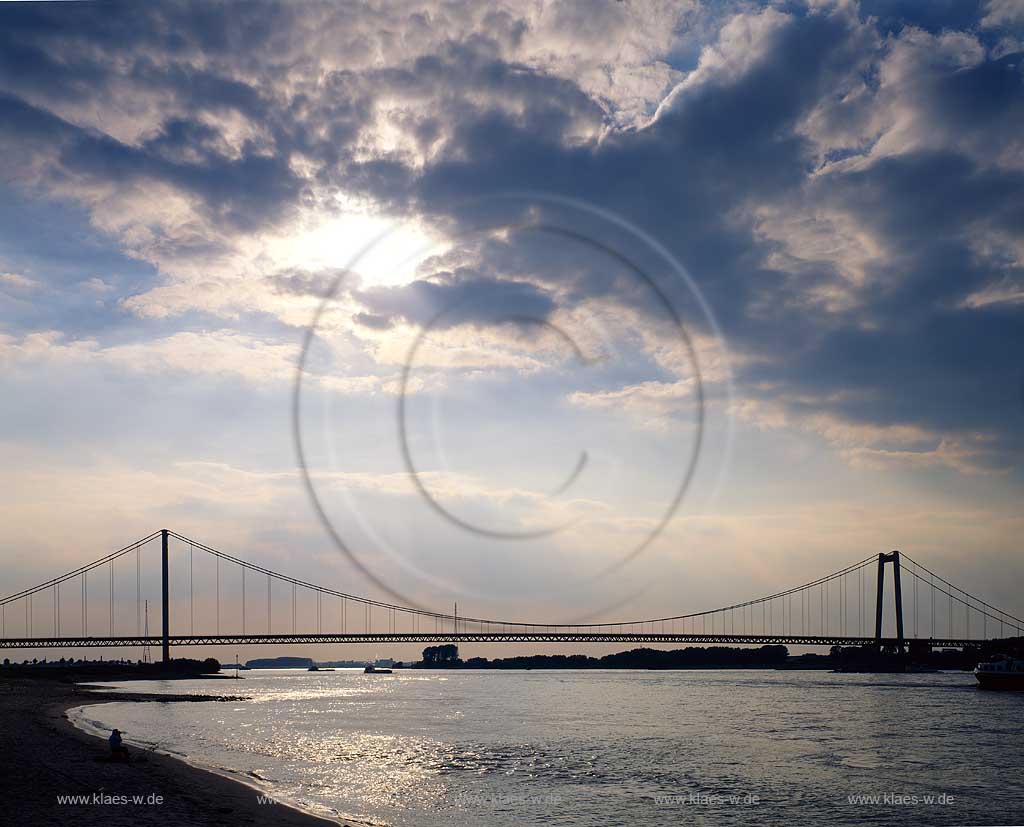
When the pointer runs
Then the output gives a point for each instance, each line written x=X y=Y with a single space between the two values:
x=555 y=310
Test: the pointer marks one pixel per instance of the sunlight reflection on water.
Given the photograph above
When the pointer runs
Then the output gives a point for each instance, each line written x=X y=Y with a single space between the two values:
x=595 y=748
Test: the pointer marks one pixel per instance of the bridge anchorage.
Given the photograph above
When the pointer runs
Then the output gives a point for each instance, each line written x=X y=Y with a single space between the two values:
x=833 y=610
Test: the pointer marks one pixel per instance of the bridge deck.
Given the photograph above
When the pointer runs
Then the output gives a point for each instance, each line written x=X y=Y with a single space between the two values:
x=471 y=637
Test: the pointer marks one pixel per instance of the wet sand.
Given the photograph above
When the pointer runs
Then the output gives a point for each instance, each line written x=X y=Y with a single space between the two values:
x=43 y=756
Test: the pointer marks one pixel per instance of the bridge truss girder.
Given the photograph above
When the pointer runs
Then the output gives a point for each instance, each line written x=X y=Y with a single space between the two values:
x=474 y=637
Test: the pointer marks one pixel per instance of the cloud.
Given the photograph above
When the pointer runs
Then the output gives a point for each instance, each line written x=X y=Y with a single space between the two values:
x=963 y=456
x=891 y=250
x=843 y=182
x=97 y=285
x=217 y=353
x=184 y=185
x=450 y=299
x=651 y=403
x=1005 y=292
x=18 y=282
x=1001 y=12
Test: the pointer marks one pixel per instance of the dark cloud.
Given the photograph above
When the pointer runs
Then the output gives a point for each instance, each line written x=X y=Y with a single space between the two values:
x=790 y=117
x=305 y=283
x=686 y=178
x=372 y=321
x=909 y=352
x=452 y=299
x=243 y=193
x=893 y=16
x=913 y=352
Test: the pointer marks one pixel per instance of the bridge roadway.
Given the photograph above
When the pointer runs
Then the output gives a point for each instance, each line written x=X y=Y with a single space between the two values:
x=472 y=637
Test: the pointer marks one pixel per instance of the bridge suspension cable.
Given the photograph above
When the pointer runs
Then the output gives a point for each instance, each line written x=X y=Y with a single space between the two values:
x=443 y=617
x=796 y=612
x=987 y=612
x=81 y=570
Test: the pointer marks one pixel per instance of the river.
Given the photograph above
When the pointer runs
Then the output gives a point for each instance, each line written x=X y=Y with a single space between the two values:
x=426 y=748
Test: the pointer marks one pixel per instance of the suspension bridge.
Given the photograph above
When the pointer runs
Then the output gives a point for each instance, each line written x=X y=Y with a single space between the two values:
x=230 y=601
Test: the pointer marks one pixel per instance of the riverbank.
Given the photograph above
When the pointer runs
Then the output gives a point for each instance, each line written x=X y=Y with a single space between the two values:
x=45 y=759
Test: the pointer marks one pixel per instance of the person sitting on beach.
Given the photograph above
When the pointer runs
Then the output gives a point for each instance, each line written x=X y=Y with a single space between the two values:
x=117 y=748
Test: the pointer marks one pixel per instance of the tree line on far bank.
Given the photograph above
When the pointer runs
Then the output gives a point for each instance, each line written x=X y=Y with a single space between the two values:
x=447 y=657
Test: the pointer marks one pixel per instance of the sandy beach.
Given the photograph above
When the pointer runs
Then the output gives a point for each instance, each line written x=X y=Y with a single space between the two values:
x=46 y=758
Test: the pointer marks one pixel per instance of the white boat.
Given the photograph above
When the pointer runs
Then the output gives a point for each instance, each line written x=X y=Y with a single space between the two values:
x=1003 y=672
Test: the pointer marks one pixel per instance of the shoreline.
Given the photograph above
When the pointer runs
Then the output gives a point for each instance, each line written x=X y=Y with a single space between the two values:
x=47 y=757
x=256 y=785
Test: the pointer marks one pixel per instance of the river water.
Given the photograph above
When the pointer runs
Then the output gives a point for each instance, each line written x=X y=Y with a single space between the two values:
x=601 y=748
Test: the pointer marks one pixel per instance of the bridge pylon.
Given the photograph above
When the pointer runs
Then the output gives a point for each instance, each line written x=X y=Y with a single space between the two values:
x=894 y=558
x=166 y=611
